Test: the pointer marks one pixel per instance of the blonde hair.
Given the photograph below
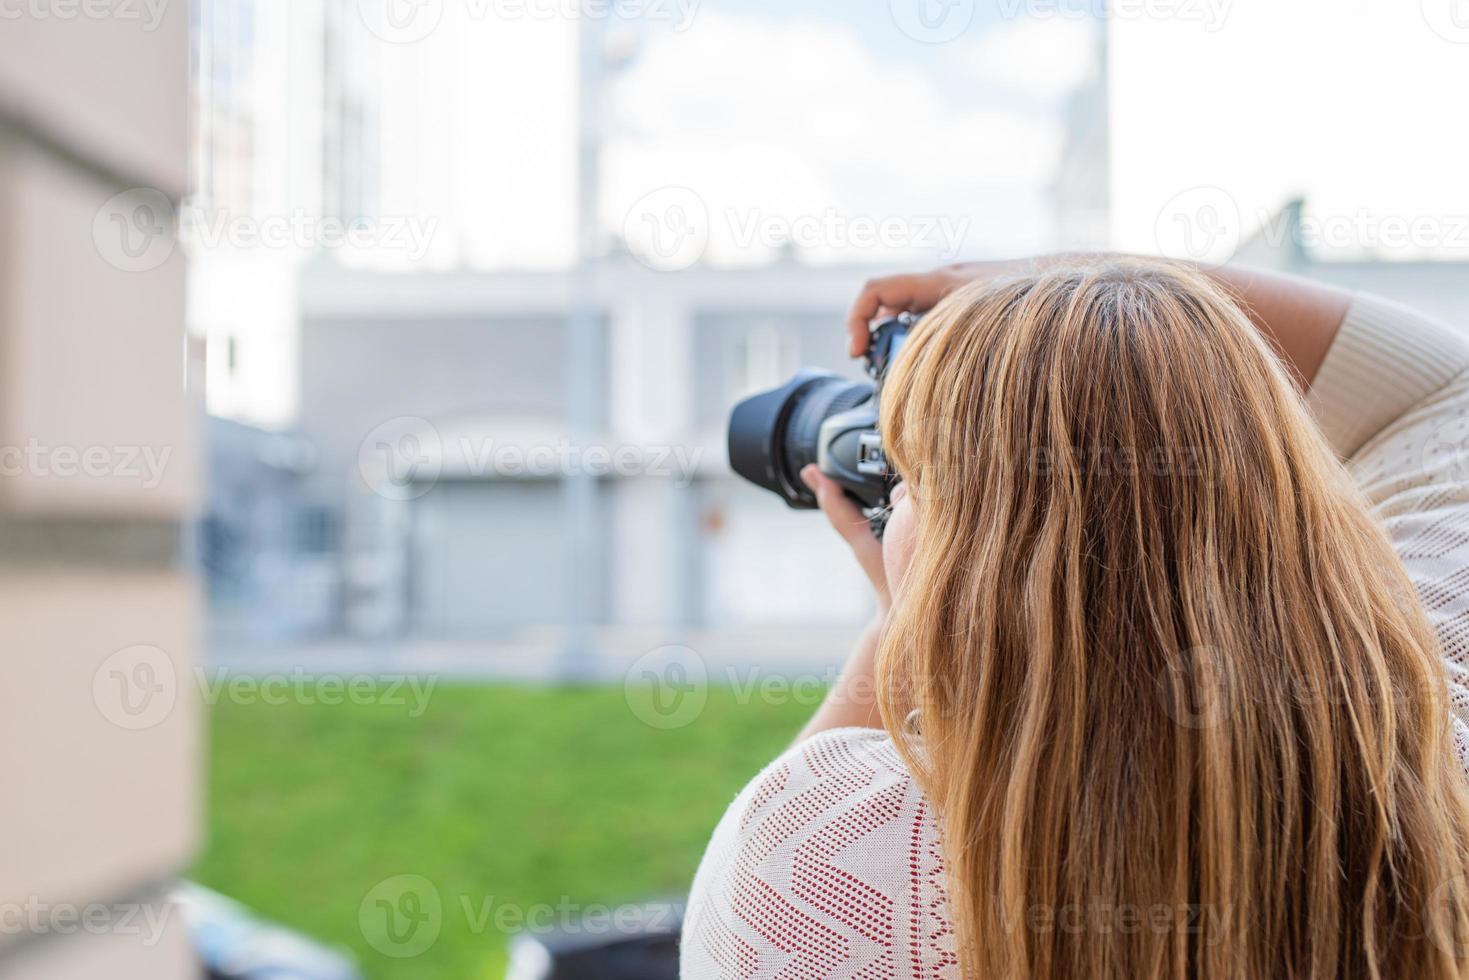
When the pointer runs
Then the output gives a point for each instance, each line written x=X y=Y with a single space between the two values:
x=1178 y=711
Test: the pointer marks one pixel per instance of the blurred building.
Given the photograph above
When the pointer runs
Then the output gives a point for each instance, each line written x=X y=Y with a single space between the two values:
x=1081 y=191
x=283 y=146
x=99 y=738
x=1285 y=243
x=477 y=546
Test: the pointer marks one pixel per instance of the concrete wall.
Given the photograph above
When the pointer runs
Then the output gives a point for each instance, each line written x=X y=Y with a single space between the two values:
x=98 y=722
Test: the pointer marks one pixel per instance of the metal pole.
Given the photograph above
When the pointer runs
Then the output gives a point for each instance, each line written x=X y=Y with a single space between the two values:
x=584 y=563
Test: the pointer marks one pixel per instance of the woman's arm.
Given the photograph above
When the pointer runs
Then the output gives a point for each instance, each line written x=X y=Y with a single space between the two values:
x=852 y=702
x=1300 y=317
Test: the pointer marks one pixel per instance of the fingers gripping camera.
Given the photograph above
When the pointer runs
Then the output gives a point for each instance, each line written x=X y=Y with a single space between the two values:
x=822 y=418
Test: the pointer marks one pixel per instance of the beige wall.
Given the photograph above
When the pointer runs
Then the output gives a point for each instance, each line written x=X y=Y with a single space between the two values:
x=99 y=736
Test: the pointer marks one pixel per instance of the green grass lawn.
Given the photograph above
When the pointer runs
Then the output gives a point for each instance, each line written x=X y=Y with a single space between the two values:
x=502 y=797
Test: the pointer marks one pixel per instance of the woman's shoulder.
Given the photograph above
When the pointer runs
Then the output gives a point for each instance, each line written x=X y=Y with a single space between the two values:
x=856 y=761
x=831 y=854
x=832 y=784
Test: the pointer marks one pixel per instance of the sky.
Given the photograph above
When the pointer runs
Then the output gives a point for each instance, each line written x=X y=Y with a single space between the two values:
x=1355 y=105
x=845 y=129
x=914 y=131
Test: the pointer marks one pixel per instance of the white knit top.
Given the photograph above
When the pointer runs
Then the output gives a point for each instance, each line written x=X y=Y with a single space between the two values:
x=828 y=864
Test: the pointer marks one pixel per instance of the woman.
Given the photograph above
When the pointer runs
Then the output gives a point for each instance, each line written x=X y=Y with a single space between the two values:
x=1160 y=682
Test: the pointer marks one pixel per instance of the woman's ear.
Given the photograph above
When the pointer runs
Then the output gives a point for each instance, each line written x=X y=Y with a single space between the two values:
x=899 y=537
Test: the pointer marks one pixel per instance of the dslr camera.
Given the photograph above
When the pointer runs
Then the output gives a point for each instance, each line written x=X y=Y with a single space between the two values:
x=822 y=418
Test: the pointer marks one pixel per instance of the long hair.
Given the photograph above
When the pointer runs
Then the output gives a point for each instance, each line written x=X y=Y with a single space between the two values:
x=1177 y=709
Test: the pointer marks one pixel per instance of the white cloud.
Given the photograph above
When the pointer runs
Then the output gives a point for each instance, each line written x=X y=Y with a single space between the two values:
x=1043 y=59
x=795 y=120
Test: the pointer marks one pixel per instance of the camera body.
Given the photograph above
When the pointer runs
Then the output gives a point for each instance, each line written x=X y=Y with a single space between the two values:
x=822 y=418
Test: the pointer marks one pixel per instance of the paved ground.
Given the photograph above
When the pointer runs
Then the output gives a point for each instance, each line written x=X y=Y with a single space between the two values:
x=731 y=655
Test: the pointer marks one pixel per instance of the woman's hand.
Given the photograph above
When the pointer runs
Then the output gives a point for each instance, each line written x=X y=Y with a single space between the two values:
x=1298 y=316
x=915 y=293
x=846 y=517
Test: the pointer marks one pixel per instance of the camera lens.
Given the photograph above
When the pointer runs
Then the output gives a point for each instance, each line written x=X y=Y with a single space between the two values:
x=773 y=435
x=819 y=403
